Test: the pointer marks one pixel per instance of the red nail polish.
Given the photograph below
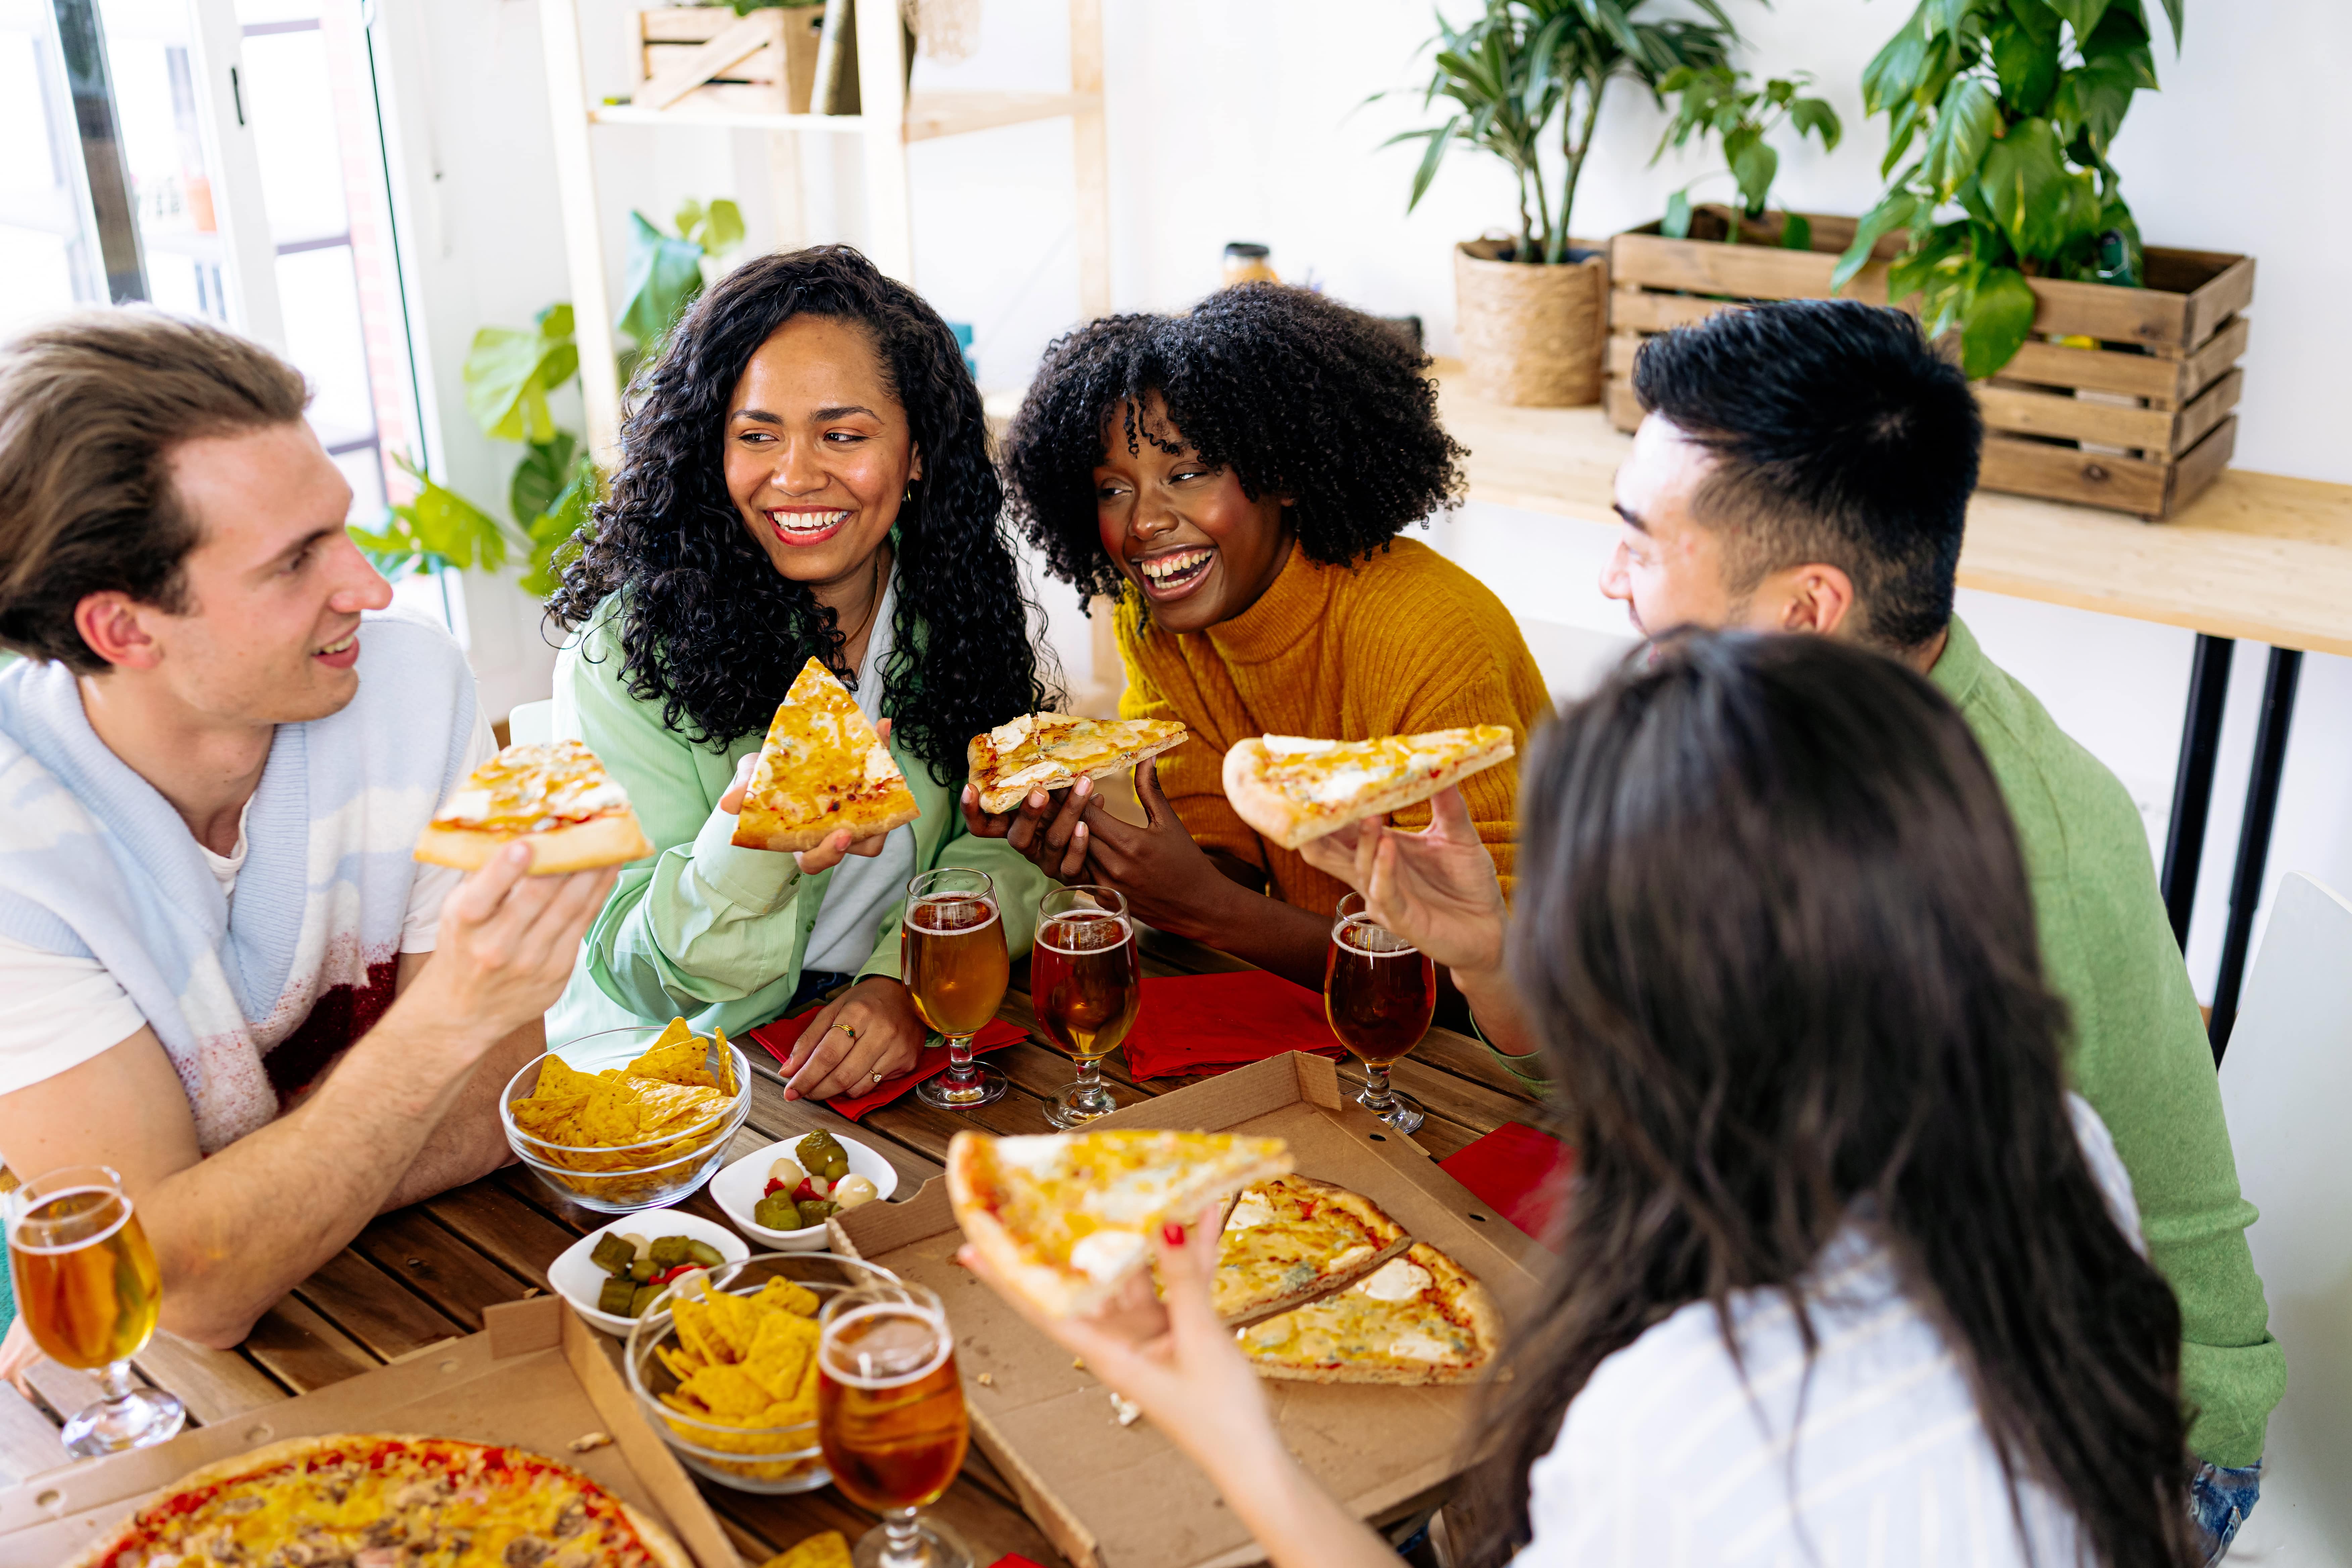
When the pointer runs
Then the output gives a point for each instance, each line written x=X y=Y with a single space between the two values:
x=1172 y=1233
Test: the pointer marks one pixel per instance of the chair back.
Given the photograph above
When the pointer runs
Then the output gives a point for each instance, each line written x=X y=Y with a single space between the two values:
x=2286 y=1086
x=530 y=723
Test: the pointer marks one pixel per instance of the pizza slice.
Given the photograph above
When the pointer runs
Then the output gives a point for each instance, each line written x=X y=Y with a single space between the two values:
x=1291 y=1239
x=555 y=796
x=1417 y=1319
x=1293 y=790
x=822 y=768
x=1054 y=750
x=1066 y=1218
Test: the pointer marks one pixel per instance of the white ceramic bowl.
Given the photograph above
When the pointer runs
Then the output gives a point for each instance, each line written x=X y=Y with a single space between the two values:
x=575 y=1276
x=737 y=1188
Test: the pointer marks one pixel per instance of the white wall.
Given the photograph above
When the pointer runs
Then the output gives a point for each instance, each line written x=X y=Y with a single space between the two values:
x=1248 y=118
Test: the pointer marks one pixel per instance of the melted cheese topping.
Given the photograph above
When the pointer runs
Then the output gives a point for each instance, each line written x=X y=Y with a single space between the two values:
x=1332 y=776
x=1364 y=1325
x=1086 y=1202
x=534 y=788
x=1282 y=1238
x=446 y=1502
x=1054 y=748
x=821 y=756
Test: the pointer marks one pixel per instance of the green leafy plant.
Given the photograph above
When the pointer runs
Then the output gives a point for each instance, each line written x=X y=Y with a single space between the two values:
x=1524 y=79
x=2012 y=106
x=1716 y=100
x=664 y=274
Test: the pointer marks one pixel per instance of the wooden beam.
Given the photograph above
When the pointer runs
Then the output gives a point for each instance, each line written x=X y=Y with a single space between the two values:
x=1090 y=159
x=882 y=100
x=583 y=245
x=930 y=115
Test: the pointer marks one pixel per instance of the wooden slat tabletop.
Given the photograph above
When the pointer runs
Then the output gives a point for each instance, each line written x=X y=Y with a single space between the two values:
x=424 y=1274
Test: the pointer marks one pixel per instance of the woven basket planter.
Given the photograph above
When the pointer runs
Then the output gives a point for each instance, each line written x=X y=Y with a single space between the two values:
x=1531 y=335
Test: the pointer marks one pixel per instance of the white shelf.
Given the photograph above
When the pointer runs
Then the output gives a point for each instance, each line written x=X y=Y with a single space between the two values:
x=730 y=119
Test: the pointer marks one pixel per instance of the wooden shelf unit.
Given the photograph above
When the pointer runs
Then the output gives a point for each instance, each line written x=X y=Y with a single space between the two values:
x=891 y=120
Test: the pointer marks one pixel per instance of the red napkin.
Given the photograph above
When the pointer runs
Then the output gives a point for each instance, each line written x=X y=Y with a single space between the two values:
x=1207 y=1023
x=1013 y=1560
x=1519 y=1173
x=781 y=1035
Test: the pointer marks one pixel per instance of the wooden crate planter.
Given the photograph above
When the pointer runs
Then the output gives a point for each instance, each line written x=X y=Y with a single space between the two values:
x=705 y=58
x=2139 y=423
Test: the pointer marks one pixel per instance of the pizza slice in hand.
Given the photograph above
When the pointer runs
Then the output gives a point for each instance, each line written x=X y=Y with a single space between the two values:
x=554 y=796
x=1293 y=1238
x=1054 y=750
x=823 y=768
x=1293 y=790
x=1066 y=1218
x=1417 y=1319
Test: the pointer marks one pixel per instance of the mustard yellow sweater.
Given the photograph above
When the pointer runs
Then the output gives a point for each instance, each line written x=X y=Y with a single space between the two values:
x=1402 y=641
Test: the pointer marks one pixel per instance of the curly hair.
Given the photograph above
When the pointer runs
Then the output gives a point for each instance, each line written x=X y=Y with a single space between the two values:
x=1295 y=393
x=708 y=627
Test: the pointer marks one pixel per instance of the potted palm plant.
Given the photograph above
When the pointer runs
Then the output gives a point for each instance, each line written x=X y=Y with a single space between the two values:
x=1521 y=78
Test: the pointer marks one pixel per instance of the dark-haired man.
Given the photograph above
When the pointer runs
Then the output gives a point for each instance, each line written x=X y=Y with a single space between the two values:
x=221 y=973
x=1806 y=466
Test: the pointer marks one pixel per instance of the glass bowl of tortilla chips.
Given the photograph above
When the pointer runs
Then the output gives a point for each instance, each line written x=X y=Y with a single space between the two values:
x=729 y=1376
x=629 y=1118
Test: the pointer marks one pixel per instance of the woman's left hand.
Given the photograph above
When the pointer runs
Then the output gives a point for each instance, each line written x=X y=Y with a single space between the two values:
x=838 y=844
x=869 y=1032
x=1169 y=880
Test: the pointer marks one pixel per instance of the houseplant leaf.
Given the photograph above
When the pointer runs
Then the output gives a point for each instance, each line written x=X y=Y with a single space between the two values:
x=545 y=469
x=1892 y=213
x=1753 y=164
x=2080 y=15
x=1815 y=116
x=2090 y=103
x=2023 y=180
x=1796 y=231
x=2025 y=65
x=722 y=227
x=1965 y=122
x=1893 y=74
x=2121 y=38
x=1995 y=320
x=1676 y=222
x=504 y=370
x=663 y=277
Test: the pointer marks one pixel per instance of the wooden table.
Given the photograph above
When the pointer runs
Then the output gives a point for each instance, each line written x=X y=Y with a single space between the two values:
x=2257 y=556
x=424 y=1274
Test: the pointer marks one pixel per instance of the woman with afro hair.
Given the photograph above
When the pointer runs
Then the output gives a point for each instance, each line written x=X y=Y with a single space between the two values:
x=805 y=473
x=1236 y=478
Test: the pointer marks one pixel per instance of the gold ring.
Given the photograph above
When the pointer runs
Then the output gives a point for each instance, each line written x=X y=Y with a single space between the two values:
x=847 y=1030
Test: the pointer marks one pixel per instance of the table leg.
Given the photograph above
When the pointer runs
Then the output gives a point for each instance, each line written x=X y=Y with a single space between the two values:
x=2192 y=781
x=2254 y=838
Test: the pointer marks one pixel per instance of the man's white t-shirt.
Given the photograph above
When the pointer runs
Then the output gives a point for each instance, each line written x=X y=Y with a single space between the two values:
x=1675 y=1457
x=57 y=1011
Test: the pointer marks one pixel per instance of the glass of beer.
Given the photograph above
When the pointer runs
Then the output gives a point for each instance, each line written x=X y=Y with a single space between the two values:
x=1378 y=992
x=89 y=1292
x=1086 y=979
x=890 y=1417
x=951 y=955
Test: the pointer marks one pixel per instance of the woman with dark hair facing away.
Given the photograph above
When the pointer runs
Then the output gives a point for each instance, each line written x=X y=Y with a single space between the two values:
x=1236 y=477
x=1847 y=1274
x=805 y=473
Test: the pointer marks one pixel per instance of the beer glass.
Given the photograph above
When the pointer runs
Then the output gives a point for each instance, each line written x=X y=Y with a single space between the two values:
x=951 y=955
x=89 y=1292
x=1086 y=979
x=890 y=1417
x=1378 y=992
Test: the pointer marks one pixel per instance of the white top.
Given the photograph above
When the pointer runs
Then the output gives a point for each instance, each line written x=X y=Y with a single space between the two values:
x=1671 y=1458
x=848 y=922
x=57 y=1012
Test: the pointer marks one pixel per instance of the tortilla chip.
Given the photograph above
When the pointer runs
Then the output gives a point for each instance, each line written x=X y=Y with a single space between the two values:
x=676 y=1057
x=779 y=1351
x=728 y=1394
x=787 y=1296
x=727 y=1084
x=830 y=1550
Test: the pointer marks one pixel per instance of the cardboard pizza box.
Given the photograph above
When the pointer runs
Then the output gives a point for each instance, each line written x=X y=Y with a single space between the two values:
x=536 y=1378
x=1110 y=1496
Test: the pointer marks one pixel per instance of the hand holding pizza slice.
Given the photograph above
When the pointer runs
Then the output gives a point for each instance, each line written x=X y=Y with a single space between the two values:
x=823 y=770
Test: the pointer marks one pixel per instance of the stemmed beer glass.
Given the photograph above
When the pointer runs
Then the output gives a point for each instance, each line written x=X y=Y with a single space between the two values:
x=1378 y=992
x=90 y=1291
x=953 y=957
x=890 y=1417
x=1086 y=979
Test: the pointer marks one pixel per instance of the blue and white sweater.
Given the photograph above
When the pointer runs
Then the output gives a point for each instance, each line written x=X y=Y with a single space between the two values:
x=251 y=996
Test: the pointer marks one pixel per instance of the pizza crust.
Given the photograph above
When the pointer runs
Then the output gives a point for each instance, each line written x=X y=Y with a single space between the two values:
x=1290 y=824
x=576 y=847
x=1054 y=1291
x=985 y=761
x=760 y=828
x=658 y=1543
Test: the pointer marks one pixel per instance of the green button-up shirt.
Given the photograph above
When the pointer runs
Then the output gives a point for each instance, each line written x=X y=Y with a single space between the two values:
x=705 y=930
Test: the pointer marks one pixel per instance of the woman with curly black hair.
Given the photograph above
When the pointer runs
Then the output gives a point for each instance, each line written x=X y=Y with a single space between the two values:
x=805 y=473
x=1237 y=477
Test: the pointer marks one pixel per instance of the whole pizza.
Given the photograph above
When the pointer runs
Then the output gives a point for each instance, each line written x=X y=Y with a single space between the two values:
x=374 y=1500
